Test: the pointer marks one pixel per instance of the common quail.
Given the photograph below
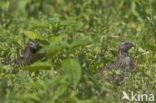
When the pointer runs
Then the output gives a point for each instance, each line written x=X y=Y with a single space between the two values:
x=123 y=62
x=30 y=54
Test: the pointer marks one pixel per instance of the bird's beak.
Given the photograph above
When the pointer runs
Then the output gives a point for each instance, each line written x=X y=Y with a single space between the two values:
x=132 y=45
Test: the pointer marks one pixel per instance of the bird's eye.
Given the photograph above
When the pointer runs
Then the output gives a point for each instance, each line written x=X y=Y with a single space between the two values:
x=127 y=44
x=31 y=43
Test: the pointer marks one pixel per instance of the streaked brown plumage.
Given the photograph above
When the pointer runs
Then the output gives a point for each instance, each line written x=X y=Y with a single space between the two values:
x=124 y=61
x=30 y=54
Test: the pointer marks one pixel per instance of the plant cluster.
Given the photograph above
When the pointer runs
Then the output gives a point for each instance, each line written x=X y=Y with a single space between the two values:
x=79 y=38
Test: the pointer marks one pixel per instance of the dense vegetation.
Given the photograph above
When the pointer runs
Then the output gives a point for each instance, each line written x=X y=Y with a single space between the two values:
x=80 y=38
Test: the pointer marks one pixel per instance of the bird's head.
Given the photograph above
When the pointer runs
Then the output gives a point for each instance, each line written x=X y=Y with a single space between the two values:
x=34 y=47
x=125 y=46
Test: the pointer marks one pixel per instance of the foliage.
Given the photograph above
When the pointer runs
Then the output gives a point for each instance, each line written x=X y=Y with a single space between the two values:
x=79 y=37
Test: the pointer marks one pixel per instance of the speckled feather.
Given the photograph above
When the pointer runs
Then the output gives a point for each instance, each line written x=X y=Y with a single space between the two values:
x=123 y=62
x=30 y=54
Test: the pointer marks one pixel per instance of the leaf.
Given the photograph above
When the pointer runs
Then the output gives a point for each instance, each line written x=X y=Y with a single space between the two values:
x=55 y=39
x=31 y=96
x=59 y=79
x=40 y=25
x=35 y=85
x=141 y=50
x=68 y=23
x=64 y=44
x=78 y=43
x=1 y=66
x=4 y=39
x=85 y=101
x=50 y=49
x=72 y=68
x=54 y=49
x=60 y=91
x=22 y=4
x=5 y=5
x=33 y=35
x=152 y=46
x=53 y=21
x=43 y=42
x=38 y=66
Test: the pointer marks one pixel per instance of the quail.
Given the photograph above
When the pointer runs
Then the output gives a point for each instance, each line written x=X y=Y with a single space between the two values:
x=123 y=62
x=30 y=54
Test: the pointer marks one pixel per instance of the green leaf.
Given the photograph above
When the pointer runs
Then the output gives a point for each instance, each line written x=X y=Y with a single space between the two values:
x=33 y=35
x=40 y=25
x=1 y=66
x=22 y=4
x=141 y=50
x=78 y=43
x=64 y=44
x=50 y=49
x=85 y=101
x=55 y=39
x=5 y=5
x=4 y=39
x=59 y=79
x=31 y=96
x=60 y=91
x=54 y=49
x=43 y=42
x=35 y=85
x=68 y=23
x=38 y=66
x=72 y=68
x=53 y=21
x=152 y=46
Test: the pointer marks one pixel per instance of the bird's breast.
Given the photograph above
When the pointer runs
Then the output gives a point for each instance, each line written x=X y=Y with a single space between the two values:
x=124 y=62
x=127 y=60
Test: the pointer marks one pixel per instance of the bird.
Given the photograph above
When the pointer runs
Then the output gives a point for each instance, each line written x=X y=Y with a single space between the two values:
x=123 y=62
x=30 y=54
x=33 y=47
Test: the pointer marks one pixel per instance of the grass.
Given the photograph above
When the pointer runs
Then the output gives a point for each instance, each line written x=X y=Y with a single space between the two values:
x=80 y=37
